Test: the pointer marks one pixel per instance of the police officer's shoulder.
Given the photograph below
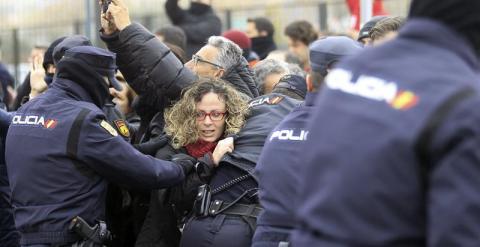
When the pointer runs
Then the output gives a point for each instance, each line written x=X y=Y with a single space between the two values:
x=96 y=119
x=272 y=99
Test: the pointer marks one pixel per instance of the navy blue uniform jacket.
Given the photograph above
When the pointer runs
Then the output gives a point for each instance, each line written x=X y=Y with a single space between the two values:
x=8 y=234
x=363 y=182
x=51 y=184
x=277 y=170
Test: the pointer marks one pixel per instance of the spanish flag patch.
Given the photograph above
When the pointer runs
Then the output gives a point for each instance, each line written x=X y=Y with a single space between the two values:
x=122 y=128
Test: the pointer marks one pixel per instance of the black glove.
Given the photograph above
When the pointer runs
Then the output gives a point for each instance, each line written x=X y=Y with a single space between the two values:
x=187 y=162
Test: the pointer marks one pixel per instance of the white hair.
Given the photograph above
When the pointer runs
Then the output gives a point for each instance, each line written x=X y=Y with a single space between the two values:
x=268 y=67
x=229 y=53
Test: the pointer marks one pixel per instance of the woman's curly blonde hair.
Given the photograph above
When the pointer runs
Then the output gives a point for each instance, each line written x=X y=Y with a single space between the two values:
x=180 y=120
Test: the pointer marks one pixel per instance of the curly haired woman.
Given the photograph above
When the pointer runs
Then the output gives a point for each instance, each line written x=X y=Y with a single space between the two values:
x=198 y=126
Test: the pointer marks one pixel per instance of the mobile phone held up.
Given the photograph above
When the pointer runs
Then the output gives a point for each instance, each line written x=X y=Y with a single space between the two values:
x=105 y=4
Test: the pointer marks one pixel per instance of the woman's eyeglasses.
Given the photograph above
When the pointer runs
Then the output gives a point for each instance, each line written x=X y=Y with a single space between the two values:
x=197 y=58
x=214 y=115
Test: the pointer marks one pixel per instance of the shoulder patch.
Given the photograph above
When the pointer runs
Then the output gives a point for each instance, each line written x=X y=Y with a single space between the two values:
x=122 y=127
x=269 y=100
x=108 y=128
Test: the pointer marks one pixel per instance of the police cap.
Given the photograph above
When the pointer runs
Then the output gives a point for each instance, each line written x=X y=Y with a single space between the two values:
x=67 y=43
x=294 y=83
x=328 y=50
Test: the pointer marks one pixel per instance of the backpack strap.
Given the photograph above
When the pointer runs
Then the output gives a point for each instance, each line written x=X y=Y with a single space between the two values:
x=72 y=143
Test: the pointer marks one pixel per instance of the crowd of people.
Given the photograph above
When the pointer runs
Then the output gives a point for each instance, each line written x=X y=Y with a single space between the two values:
x=193 y=137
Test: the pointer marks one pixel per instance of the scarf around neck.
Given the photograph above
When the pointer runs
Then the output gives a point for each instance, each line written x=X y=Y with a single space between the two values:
x=200 y=148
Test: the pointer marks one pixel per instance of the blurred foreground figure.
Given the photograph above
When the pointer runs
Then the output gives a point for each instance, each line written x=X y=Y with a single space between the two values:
x=279 y=163
x=392 y=154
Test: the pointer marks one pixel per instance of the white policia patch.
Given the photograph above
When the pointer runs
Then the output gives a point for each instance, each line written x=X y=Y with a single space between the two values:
x=271 y=100
x=366 y=86
x=372 y=88
x=108 y=128
x=290 y=135
x=34 y=121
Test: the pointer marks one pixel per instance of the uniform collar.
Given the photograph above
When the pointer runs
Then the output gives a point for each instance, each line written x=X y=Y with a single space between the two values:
x=72 y=89
x=438 y=34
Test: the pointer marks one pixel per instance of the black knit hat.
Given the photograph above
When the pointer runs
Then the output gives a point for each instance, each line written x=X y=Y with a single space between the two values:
x=48 y=56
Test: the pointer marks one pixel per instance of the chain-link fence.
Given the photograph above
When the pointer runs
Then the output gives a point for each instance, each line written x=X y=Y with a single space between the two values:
x=29 y=23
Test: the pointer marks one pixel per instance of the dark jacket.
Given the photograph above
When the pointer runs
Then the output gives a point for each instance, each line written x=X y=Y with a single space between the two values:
x=265 y=113
x=22 y=91
x=58 y=161
x=377 y=172
x=197 y=26
x=242 y=78
x=168 y=207
x=8 y=234
x=277 y=171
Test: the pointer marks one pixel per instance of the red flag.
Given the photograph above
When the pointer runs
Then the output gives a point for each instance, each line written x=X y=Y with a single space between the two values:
x=354 y=7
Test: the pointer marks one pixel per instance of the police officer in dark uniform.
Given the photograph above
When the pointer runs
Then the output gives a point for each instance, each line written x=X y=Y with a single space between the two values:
x=279 y=163
x=392 y=156
x=60 y=152
x=8 y=234
x=227 y=216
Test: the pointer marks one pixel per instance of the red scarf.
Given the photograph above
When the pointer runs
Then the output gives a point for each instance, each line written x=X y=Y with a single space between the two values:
x=200 y=148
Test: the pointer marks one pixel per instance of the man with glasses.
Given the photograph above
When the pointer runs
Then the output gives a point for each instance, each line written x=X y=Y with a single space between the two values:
x=221 y=58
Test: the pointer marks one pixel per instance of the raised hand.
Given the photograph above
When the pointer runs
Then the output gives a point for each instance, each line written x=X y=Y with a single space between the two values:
x=224 y=146
x=37 y=75
x=118 y=13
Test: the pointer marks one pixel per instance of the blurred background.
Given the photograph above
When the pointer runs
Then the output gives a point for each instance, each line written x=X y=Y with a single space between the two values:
x=26 y=24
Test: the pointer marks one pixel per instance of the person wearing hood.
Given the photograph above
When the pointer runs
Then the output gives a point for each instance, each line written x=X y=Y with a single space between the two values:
x=391 y=157
x=260 y=30
x=78 y=148
x=198 y=22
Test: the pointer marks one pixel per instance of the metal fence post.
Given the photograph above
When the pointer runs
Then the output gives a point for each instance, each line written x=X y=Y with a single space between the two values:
x=16 y=54
x=228 y=18
x=323 y=16
x=366 y=11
